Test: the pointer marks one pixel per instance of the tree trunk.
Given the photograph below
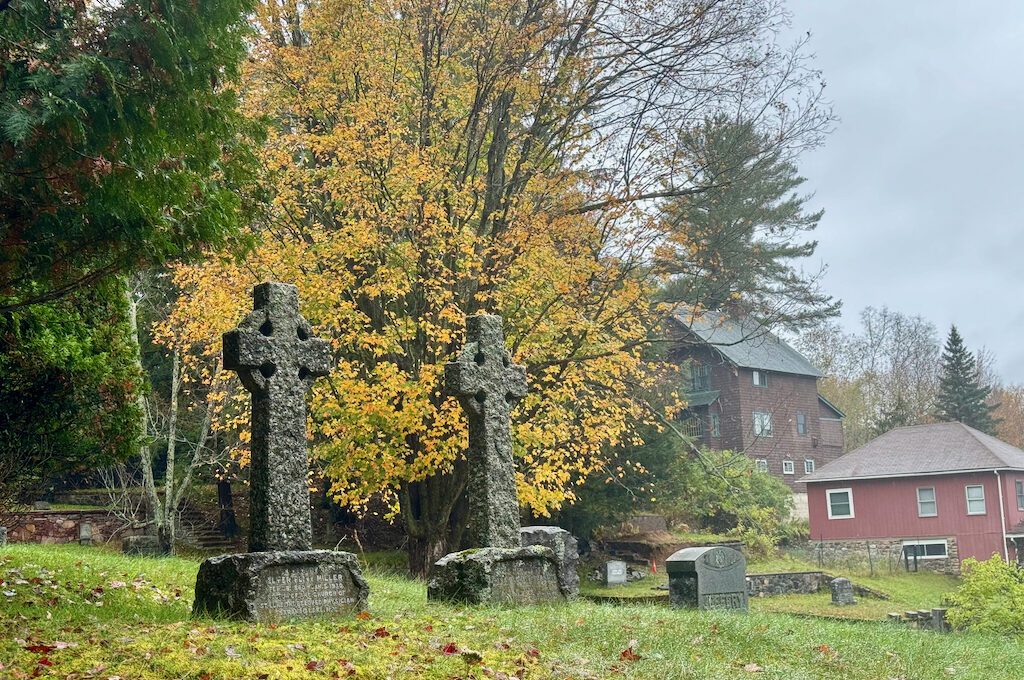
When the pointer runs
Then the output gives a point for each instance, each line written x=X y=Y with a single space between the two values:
x=423 y=552
x=428 y=510
x=228 y=522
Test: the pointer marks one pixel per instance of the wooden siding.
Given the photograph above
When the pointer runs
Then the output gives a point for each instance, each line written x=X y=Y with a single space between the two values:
x=887 y=508
x=783 y=397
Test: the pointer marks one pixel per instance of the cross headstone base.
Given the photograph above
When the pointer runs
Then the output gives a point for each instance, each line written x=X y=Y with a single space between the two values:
x=507 y=576
x=281 y=585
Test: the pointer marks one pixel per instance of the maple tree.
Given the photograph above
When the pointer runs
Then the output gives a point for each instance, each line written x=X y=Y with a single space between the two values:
x=426 y=161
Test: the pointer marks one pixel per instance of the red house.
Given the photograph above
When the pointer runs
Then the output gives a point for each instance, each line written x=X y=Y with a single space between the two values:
x=939 y=493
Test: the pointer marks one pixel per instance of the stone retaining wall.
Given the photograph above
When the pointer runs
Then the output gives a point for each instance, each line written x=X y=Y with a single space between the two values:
x=62 y=526
x=800 y=583
x=883 y=554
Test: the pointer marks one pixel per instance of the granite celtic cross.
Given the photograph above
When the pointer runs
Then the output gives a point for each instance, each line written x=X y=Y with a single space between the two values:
x=487 y=385
x=277 y=359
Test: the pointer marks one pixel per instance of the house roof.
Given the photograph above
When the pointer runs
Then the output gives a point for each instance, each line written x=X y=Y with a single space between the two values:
x=748 y=344
x=701 y=398
x=938 y=448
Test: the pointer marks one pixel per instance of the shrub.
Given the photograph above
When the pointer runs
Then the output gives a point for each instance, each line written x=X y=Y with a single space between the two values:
x=991 y=597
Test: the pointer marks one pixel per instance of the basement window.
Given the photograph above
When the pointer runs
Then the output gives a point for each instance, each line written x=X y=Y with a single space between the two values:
x=925 y=550
x=840 y=503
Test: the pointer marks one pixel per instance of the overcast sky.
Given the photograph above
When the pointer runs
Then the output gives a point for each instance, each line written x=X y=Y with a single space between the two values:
x=923 y=180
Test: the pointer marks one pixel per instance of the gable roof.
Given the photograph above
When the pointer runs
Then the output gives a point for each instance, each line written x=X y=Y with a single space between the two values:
x=748 y=344
x=938 y=448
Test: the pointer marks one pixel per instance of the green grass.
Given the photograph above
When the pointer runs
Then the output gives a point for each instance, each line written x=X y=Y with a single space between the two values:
x=138 y=627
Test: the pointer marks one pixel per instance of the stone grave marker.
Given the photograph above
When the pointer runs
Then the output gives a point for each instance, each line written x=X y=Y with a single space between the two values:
x=613 y=573
x=566 y=550
x=502 y=567
x=277 y=360
x=842 y=591
x=710 y=577
x=142 y=546
x=3 y=536
x=85 y=533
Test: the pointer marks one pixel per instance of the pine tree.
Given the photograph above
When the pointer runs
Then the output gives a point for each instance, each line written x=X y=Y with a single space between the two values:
x=896 y=414
x=961 y=396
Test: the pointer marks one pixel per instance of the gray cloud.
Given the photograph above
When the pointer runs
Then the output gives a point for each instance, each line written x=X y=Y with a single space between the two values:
x=922 y=180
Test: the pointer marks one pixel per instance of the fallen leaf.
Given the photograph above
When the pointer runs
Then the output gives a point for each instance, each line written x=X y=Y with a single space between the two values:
x=753 y=668
x=450 y=649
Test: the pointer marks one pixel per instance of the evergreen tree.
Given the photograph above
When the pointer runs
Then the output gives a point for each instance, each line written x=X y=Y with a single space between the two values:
x=961 y=396
x=735 y=247
x=896 y=414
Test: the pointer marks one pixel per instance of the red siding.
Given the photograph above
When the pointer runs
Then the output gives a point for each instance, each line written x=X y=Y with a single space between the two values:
x=887 y=508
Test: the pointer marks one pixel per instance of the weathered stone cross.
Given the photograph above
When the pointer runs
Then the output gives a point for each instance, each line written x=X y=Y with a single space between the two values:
x=487 y=385
x=277 y=359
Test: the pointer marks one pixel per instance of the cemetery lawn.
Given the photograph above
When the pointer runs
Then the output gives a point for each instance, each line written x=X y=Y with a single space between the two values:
x=74 y=612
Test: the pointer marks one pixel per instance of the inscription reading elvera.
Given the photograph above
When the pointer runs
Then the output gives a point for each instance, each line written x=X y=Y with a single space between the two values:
x=287 y=591
x=723 y=601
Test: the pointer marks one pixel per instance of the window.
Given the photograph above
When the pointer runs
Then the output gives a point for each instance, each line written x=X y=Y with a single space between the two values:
x=801 y=424
x=700 y=377
x=761 y=464
x=975 y=499
x=693 y=427
x=926 y=506
x=716 y=425
x=762 y=424
x=925 y=550
x=1020 y=495
x=760 y=379
x=787 y=467
x=808 y=466
x=840 y=503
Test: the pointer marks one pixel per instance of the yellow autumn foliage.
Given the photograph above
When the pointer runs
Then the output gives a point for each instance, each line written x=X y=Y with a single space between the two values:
x=380 y=160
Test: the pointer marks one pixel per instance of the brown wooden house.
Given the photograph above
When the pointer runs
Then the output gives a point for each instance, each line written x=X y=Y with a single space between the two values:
x=749 y=391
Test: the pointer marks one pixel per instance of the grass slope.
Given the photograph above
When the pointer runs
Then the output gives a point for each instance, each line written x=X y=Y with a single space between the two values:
x=71 y=612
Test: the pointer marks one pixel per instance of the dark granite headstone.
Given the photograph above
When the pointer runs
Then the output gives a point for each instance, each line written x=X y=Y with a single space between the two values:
x=277 y=360
x=566 y=550
x=499 y=570
x=141 y=546
x=613 y=573
x=711 y=577
x=842 y=591
x=3 y=536
x=280 y=585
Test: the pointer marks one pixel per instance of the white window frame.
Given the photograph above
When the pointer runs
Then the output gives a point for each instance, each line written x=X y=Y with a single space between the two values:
x=759 y=378
x=1019 y=489
x=828 y=502
x=967 y=495
x=937 y=541
x=788 y=468
x=934 y=501
x=765 y=418
x=809 y=466
x=761 y=464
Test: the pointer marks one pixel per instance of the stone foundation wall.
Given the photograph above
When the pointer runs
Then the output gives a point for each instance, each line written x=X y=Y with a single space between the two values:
x=62 y=526
x=883 y=554
x=793 y=583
